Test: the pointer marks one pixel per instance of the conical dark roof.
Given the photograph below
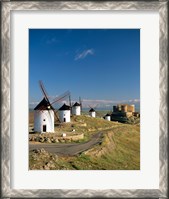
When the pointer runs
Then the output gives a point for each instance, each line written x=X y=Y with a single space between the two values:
x=76 y=104
x=107 y=114
x=64 y=107
x=91 y=110
x=43 y=105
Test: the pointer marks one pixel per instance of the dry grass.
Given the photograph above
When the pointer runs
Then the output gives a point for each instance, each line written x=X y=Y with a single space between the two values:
x=120 y=149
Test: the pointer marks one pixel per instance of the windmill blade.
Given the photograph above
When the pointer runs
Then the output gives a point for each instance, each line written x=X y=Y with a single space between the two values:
x=44 y=91
x=70 y=103
x=89 y=106
x=61 y=97
x=56 y=116
x=95 y=106
x=80 y=101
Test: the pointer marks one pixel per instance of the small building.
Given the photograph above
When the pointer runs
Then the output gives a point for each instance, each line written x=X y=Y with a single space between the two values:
x=107 y=117
x=76 y=109
x=92 y=112
x=44 y=117
x=64 y=113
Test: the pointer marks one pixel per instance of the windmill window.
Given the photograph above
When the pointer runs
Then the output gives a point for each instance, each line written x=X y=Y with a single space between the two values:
x=44 y=120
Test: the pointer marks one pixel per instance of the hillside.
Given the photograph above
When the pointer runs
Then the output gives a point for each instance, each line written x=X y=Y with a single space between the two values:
x=119 y=149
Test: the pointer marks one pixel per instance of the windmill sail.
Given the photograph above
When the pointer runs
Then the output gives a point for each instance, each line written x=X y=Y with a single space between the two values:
x=43 y=90
x=61 y=97
x=80 y=102
x=56 y=100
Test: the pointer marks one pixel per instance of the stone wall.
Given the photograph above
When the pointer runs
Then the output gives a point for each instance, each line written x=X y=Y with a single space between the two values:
x=54 y=138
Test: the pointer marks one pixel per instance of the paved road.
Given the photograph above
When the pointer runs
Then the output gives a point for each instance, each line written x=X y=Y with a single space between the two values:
x=69 y=149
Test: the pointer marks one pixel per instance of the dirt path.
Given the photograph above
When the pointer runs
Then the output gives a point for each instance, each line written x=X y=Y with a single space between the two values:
x=69 y=149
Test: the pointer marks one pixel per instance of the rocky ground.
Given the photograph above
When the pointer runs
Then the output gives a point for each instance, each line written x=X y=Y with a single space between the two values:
x=44 y=160
x=55 y=138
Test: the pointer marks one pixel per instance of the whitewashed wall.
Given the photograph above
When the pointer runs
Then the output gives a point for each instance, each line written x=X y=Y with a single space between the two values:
x=76 y=110
x=64 y=114
x=92 y=114
x=45 y=117
x=107 y=118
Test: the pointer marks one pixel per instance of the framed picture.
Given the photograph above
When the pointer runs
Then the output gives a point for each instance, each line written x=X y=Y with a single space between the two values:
x=107 y=136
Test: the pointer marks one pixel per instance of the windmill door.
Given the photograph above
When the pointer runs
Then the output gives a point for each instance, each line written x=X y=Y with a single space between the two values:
x=44 y=128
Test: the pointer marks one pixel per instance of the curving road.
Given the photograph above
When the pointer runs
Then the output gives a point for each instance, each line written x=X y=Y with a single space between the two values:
x=69 y=149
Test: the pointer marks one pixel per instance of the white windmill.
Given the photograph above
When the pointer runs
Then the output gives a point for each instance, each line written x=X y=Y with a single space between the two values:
x=92 y=111
x=44 y=112
x=43 y=117
x=64 y=113
x=76 y=109
x=107 y=117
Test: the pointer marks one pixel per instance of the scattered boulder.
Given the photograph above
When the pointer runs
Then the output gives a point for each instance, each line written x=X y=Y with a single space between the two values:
x=45 y=167
x=48 y=140
x=41 y=139
x=55 y=140
x=37 y=139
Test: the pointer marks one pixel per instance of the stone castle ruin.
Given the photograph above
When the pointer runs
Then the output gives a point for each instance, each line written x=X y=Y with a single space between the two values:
x=121 y=112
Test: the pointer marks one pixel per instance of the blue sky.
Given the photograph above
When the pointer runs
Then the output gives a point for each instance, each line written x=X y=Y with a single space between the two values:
x=100 y=65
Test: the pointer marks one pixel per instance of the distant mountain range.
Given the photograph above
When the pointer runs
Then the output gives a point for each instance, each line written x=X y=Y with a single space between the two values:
x=100 y=107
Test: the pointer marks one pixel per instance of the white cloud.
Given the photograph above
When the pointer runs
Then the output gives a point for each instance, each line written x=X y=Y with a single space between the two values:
x=84 y=54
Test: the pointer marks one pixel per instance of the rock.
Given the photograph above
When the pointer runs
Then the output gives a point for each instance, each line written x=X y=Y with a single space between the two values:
x=55 y=158
x=48 y=140
x=50 y=165
x=55 y=140
x=46 y=167
x=41 y=139
x=33 y=138
x=36 y=150
x=42 y=150
x=37 y=139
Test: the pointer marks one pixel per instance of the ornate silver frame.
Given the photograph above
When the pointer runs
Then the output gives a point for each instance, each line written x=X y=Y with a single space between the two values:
x=7 y=7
